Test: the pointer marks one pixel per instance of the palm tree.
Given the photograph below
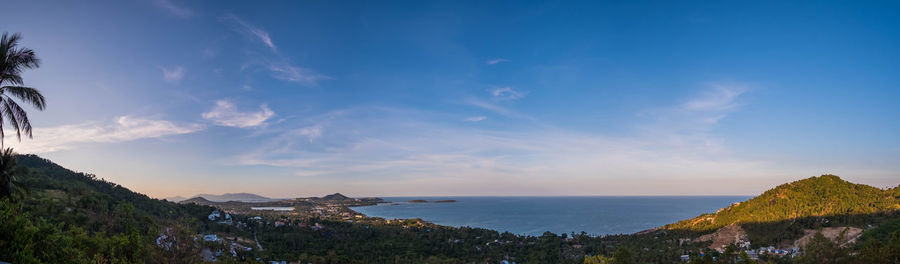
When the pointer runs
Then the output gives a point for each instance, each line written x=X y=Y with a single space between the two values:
x=9 y=185
x=13 y=60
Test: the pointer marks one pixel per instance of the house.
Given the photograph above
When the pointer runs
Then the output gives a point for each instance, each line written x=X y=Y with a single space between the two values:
x=317 y=226
x=210 y=238
x=214 y=215
x=685 y=258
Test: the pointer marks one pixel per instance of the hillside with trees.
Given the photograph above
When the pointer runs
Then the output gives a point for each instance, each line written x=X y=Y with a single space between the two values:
x=783 y=212
x=70 y=217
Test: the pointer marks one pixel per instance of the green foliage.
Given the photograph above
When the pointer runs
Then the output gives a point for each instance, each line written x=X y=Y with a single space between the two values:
x=10 y=172
x=410 y=241
x=76 y=218
x=784 y=212
x=880 y=251
x=598 y=260
x=82 y=219
x=821 y=250
x=623 y=256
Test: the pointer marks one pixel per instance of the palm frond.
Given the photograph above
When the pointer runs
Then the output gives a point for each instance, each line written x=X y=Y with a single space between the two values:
x=7 y=112
x=26 y=94
x=13 y=60
x=18 y=118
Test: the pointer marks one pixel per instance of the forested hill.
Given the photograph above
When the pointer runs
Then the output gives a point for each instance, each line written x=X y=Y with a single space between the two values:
x=811 y=203
x=88 y=219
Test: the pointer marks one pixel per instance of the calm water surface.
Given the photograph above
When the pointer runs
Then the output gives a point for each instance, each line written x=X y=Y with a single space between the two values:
x=596 y=215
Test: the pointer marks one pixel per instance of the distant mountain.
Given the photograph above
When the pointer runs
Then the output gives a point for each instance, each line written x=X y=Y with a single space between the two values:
x=198 y=200
x=335 y=197
x=241 y=197
x=175 y=199
x=785 y=212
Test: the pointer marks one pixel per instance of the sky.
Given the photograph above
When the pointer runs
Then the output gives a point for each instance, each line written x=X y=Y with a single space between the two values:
x=437 y=98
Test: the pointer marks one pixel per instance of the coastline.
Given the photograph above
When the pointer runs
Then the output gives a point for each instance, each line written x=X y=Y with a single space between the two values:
x=533 y=216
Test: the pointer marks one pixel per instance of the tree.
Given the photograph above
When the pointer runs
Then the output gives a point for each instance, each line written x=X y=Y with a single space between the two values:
x=623 y=256
x=745 y=258
x=821 y=250
x=730 y=254
x=13 y=60
x=9 y=185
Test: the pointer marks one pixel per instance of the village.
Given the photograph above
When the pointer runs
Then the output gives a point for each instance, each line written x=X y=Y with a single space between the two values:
x=231 y=219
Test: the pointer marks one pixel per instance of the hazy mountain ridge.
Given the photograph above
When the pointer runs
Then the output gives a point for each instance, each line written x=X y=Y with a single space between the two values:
x=226 y=197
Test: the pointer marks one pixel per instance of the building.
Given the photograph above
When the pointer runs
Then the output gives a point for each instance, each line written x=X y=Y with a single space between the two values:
x=214 y=215
x=685 y=258
x=210 y=238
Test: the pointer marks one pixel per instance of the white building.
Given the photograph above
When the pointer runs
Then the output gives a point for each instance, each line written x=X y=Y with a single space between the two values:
x=210 y=238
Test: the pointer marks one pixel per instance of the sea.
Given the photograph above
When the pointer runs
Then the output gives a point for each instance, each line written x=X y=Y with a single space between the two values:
x=594 y=215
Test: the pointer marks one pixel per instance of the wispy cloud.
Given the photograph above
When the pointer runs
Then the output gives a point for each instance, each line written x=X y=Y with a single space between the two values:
x=173 y=75
x=376 y=146
x=280 y=67
x=506 y=93
x=291 y=73
x=124 y=128
x=226 y=114
x=720 y=97
x=173 y=9
x=402 y=147
x=495 y=61
x=250 y=30
x=475 y=119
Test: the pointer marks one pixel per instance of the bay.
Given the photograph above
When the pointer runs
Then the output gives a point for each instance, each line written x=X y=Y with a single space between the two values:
x=595 y=215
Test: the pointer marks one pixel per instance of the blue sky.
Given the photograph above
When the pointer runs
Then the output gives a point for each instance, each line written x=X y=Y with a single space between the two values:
x=303 y=98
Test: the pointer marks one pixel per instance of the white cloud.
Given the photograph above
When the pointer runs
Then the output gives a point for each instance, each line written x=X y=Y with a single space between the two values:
x=251 y=30
x=287 y=72
x=720 y=97
x=405 y=151
x=495 y=61
x=506 y=93
x=475 y=119
x=226 y=114
x=398 y=147
x=174 y=9
x=173 y=75
x=497 y=109
x=280 y=67
x=125 y=128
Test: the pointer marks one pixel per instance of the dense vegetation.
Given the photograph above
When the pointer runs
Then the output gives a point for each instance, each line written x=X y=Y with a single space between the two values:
x=70 y=217
x=784 y=212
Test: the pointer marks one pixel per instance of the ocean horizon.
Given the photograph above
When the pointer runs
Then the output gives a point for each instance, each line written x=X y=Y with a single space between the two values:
x=534 y=215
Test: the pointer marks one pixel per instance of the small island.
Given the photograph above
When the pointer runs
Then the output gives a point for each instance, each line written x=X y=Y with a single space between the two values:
x=439 y=201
